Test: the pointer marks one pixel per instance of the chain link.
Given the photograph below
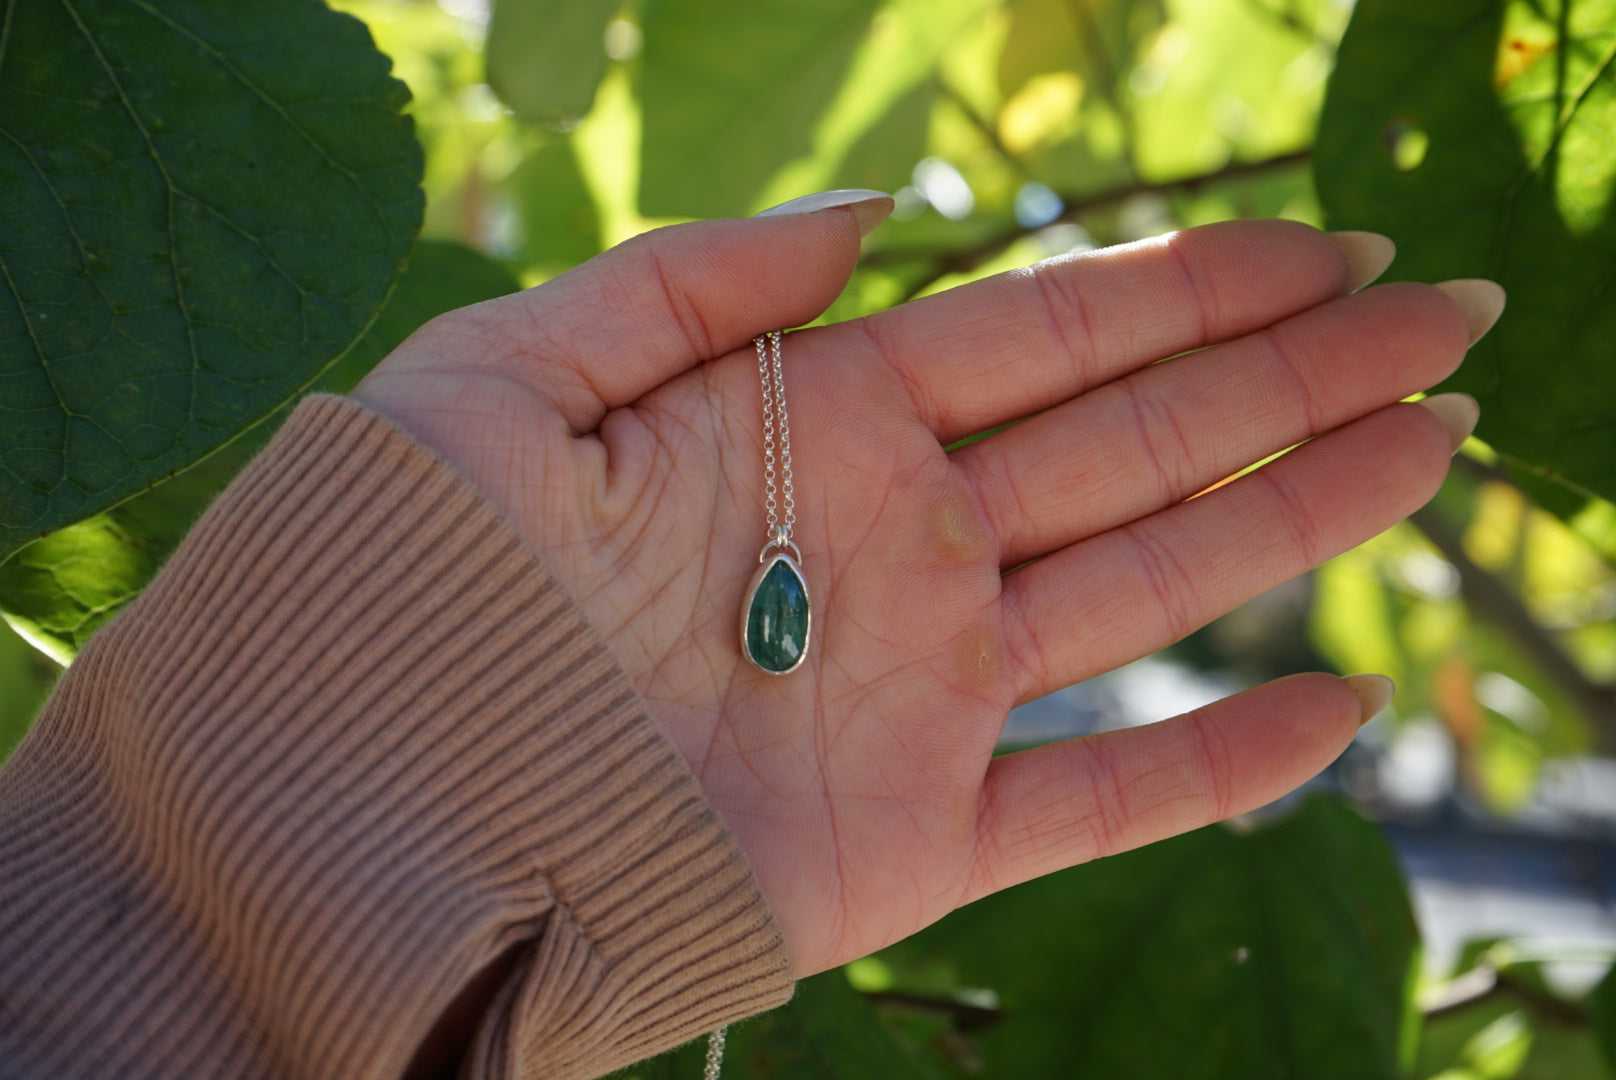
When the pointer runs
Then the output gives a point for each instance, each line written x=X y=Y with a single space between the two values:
x=715 y=1054
x=773 y=378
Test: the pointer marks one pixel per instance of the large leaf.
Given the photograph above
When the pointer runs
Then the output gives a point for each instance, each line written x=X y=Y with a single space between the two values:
x=732 y=92
x=205 y=204
x=1285 y=952
x=545 y=57
x=1478 y=136
x=876 y=129
x=59 y=590
x=827 y=1032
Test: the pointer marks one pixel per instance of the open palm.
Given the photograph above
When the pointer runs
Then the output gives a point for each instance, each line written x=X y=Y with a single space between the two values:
x=615 y=416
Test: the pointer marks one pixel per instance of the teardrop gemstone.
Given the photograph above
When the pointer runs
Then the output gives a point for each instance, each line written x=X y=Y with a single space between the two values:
x=774 y=630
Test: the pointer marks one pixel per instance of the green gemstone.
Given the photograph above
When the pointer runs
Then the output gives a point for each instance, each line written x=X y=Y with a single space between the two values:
x=777 y=618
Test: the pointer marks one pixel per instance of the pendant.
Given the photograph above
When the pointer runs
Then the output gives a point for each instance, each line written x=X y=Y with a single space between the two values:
x=776 y=619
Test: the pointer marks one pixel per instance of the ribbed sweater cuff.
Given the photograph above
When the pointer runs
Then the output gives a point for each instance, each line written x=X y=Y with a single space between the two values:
x=351 y=746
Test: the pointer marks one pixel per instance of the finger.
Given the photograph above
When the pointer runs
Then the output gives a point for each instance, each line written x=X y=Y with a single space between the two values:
x=1055 y=806
x=1000 y=349
x=609 y=331
x=1105 y=601
x=1161 y=434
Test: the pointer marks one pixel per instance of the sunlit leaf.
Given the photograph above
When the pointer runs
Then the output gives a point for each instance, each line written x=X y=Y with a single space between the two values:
x=1514 y=104
x=1042 y=41
x=1557 y=1050
x=59 y=590
x=1353 y=618
x=1285 y=952
x=883 y=157
x=888 y=81
x=1509 y=761
x=545 y=57
x=205 y=204
x=1595 y=522
x=1095 y=40
x=456 y=116
x=560 y=223
x=1229 y=80
x=25 y=678
x=1498 y=1051
x=731 y=92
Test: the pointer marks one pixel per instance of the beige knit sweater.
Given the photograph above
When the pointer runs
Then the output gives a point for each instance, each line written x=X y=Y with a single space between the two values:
x=352 y=745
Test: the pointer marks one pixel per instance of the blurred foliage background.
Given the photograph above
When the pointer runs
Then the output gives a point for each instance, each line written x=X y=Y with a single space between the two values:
x=1475 y=133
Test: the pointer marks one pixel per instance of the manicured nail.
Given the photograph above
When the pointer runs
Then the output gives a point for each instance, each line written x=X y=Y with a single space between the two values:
x=1458 y=413
x=870 y=208
x=1368 y=255
x=1374 y=694
x=1482 y=301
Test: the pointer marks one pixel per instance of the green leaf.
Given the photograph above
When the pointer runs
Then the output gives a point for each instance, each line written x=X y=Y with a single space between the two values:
x=884 y=157
x=732 y=92
x=1492 y=1038
x=1284 y=952
x=545 y=57
x=560 y=224
x=205 y=204
x=877 y=127
x=1603 y=1005
x=59 y=590
x=1352 y=619
x=25 y=681
x=1477 y=135
x=1095 y=39
x=828 y=1031
x=1498 y=1051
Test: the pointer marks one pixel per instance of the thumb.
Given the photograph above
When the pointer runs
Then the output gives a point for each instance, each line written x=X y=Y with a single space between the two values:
x=630 y=319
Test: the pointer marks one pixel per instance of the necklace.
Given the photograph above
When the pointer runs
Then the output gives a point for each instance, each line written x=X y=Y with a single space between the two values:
x=777 y=618
x=715 y=1054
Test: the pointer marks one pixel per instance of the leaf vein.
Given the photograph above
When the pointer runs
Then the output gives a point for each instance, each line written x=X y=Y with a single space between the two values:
x=168 y=183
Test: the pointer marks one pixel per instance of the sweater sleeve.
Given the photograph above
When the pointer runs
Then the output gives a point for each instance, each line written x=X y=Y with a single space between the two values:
x=352 y=745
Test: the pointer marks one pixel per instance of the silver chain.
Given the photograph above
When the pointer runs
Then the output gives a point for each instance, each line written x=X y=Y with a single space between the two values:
x=773 y=379
x=715 y=1054
x=774 y=404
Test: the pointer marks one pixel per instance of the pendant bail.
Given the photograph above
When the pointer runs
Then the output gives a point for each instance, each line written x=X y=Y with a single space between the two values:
x=782 y=541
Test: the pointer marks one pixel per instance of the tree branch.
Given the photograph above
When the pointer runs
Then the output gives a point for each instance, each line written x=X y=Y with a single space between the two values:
x=1077 y=205
x=963 y=1016
x=1486 y=981
x=1293 y=22
x=1494 y=601
x=983 y=125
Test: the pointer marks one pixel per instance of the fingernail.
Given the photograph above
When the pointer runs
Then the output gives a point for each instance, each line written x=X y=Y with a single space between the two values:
x=1458 y=413
x=1374 y=694
x=1368 y=255
x=1481 y=300
x=870 y=208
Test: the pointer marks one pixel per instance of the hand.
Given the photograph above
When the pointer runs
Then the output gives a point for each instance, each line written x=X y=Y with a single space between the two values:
x=614 y=414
